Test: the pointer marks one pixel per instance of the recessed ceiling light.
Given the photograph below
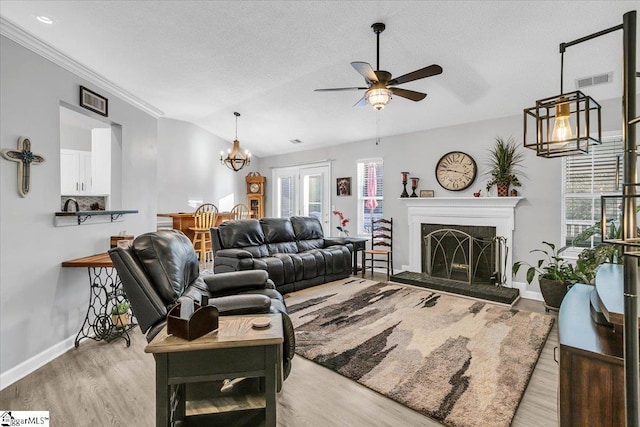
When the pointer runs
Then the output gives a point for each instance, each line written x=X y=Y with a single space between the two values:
x=44 y=19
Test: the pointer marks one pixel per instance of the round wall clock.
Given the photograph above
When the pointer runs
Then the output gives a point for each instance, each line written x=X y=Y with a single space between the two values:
x=254 y=188
x=456 y=171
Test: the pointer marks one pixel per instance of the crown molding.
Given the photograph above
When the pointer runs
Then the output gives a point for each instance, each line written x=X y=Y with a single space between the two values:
x=40 y=47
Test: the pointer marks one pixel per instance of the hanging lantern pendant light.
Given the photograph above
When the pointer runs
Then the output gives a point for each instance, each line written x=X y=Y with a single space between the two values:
x=553 y=133
x=236 y=159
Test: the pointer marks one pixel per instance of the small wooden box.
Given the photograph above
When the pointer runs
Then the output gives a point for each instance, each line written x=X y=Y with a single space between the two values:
x=114 y=240
x=202 y=321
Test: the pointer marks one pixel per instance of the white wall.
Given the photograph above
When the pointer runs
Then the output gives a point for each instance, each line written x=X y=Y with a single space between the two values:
x=538 y=217
x=41 y=303
x=189 y=168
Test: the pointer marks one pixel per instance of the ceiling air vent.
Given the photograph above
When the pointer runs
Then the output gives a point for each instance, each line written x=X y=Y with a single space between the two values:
x=295 y=141
x=597 y=79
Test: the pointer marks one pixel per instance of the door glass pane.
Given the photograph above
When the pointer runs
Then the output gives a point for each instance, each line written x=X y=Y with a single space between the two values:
x=313 y=196
x=286 y=199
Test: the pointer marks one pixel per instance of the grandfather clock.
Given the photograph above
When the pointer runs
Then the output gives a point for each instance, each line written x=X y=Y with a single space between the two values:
x=255 y=194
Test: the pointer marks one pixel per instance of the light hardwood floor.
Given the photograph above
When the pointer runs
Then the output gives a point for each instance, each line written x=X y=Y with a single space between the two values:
x=102 y=384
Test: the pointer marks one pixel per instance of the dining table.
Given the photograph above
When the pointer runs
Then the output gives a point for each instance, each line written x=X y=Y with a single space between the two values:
x=184 y=221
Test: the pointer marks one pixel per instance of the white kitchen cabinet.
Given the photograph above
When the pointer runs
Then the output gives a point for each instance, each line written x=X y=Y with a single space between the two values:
x=75 y=173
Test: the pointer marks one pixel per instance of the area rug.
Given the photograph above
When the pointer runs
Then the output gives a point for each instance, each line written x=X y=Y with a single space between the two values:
x=461 y=362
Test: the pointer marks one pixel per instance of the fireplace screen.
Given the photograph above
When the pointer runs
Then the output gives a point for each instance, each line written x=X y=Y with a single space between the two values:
x=453 y=254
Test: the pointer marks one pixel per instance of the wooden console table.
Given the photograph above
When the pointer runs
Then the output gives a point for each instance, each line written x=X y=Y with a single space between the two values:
x=591 y=355
x=235 y=350
x=105 y=292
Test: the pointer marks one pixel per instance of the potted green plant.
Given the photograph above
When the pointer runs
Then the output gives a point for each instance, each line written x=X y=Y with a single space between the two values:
x=555 y=274
x=504 y=161
x=604 y=252
x=120 y=316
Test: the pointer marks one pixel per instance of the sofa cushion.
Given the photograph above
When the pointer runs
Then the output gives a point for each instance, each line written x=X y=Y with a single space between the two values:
x=337 y=258
x=306 y=245
x=282 y=248
x=241 y=234
x=320 y=263
x=277 y=230
x=274 y=266
x=287 y=265
x=309 y=265
x=279 y=236
x=306 y=228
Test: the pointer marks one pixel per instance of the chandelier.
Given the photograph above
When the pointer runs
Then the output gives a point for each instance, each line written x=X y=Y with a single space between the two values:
x=236 y=159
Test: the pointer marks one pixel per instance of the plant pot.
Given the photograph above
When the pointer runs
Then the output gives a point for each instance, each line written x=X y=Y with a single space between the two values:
x=120 y=320
x=503 y=190
x=553 y=292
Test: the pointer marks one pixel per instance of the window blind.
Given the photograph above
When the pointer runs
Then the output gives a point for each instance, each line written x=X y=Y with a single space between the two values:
x=586 y=178
x=286 y=197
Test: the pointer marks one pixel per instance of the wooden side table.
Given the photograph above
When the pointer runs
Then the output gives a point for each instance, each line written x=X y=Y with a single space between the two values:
x=235 y=350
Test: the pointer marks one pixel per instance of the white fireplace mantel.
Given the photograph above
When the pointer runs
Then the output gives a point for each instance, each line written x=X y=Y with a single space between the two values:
x=498 y=212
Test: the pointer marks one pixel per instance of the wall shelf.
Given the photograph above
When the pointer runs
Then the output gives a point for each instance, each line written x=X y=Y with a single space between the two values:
x=82 y=217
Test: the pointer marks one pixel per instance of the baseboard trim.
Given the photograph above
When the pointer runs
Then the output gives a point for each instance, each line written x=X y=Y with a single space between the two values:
x=525 y=292
x=28 y=366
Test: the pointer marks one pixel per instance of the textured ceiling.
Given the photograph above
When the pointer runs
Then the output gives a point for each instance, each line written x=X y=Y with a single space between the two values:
x=200 y=61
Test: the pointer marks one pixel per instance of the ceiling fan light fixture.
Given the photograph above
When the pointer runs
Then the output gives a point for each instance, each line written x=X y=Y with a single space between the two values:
x=378 y=97
x=236 y=159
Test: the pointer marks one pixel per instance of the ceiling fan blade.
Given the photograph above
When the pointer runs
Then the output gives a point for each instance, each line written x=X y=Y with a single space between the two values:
x=366 y=71
x=337 y=89
x=409 y=94
x=361 y=103
x=429 y=71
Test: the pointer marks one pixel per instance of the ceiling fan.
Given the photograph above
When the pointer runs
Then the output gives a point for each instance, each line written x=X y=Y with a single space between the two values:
x=380 y=84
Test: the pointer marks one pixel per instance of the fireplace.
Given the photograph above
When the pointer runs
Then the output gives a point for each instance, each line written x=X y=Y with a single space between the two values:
x=496 y=213
x=459 y=253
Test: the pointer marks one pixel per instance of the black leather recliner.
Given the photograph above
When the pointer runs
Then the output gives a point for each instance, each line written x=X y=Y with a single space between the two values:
x=161 y=267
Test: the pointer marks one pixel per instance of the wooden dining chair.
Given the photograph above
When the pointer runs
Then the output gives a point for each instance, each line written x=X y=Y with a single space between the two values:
x=204 y=218
x=381 y=246
x=240 y=211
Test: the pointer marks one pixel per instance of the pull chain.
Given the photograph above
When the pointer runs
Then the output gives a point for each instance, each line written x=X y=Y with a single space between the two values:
x=377 y=127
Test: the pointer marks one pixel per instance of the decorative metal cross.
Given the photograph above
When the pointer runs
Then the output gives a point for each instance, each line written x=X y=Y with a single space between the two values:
x=23 y=157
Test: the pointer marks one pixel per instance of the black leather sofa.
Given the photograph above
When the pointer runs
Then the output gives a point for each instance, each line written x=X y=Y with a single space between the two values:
x=292 y=250
x=161 y=268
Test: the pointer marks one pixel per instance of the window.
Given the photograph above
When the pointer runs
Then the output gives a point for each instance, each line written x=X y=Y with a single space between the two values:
x=370 y=193
x=587 y=177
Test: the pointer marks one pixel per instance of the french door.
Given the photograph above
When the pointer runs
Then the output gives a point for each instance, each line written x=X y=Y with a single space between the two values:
x=303 y=190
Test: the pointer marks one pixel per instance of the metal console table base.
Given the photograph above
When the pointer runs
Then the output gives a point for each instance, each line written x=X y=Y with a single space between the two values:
x=105 y=292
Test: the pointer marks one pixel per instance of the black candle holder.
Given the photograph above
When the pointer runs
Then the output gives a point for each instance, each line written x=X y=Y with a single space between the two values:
x=414 y=185
x=405 y=176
